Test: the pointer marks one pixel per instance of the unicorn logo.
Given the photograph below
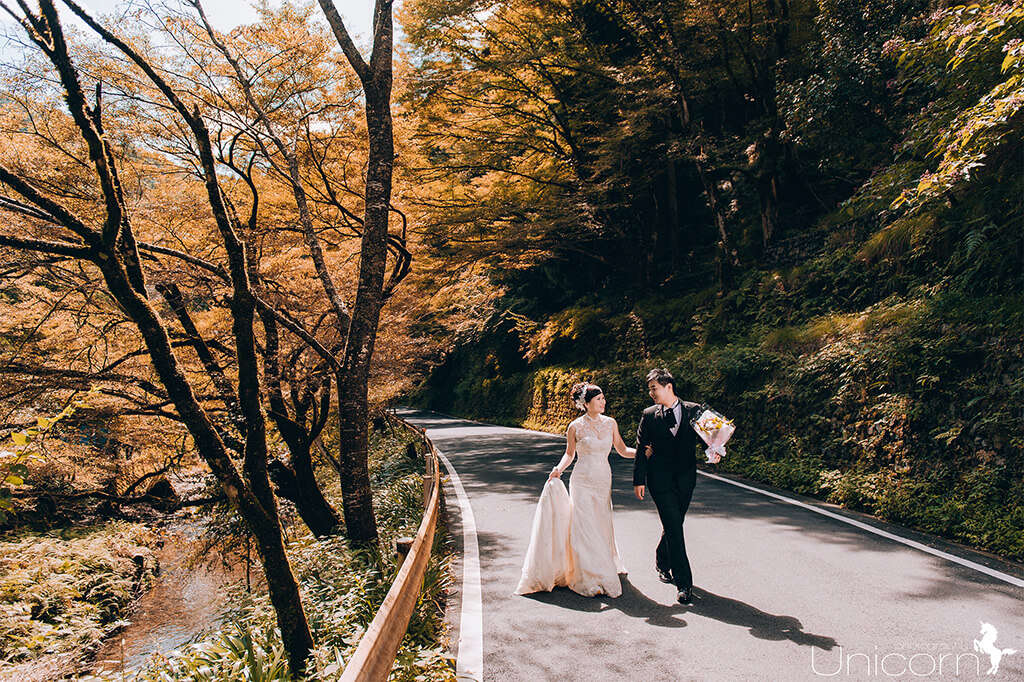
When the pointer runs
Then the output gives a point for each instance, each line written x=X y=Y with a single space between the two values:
x=987 y=645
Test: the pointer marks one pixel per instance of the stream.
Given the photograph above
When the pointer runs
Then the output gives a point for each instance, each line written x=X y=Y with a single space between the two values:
x=183 y=602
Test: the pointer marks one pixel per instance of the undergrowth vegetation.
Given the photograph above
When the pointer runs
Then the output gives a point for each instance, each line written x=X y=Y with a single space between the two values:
x=66 y=590
x=63 y=591
x=895 y=393
x=341 y=590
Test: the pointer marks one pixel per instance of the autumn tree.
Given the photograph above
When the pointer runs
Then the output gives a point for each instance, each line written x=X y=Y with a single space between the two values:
x=295 y=126
x=103 y=236
x=509 y=106
x=96 y=228
x=277 y=126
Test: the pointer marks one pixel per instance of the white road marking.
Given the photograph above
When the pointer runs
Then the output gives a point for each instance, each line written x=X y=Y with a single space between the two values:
x=470 y=659
x=877 y=531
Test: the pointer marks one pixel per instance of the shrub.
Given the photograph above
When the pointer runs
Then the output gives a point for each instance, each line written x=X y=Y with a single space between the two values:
x=62 y=591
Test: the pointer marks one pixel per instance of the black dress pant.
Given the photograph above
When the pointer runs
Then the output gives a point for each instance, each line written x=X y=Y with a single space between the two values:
x=672 y=502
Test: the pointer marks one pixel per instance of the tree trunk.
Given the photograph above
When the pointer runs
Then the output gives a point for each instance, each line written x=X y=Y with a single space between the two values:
x=284 y=594
x=354 y=375
x=353 y=383
x=768 y=185
x=353 y=456
x=673 y=215
x=729 y=253
x=297 y=483
x=314 y=508
x=263 y=522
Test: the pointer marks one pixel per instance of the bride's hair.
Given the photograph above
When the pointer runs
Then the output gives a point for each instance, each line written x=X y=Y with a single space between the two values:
x=582 y=393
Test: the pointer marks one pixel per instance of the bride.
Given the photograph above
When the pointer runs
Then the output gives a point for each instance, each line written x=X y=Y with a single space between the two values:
x=572 y=542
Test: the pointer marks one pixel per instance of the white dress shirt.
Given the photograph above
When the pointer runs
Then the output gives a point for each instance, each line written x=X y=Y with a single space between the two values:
x=677 y=410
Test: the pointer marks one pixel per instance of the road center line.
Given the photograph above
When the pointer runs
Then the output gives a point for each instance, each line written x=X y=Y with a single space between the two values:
x=470 y=658
x=877 y=531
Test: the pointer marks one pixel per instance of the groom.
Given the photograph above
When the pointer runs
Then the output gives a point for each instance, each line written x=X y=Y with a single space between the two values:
x=669 y=471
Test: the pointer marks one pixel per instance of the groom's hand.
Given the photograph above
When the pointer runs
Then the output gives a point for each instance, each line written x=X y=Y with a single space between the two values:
x=638 y=490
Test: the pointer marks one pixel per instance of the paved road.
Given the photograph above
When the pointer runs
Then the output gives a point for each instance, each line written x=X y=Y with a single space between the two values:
x=782 y=593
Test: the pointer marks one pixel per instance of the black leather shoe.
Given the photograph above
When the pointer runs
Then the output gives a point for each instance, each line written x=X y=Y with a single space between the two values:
x=685 y=595
x=664 y=576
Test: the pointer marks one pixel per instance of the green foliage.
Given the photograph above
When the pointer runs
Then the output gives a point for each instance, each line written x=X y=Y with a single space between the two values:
x=905 y=405
x=898 y=410
x=952 y=195
x=14 y=465
x=842 y=115
x=64 y=590
x=882 y=373
x=233 y=653
x=981 y=46
x=484 y=378
x=573 y=146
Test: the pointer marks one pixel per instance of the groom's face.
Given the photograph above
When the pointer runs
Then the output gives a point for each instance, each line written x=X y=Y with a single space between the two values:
x=662 y=395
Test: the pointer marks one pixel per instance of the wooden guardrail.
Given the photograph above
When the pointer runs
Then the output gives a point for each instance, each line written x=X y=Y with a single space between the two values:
x=379 y=646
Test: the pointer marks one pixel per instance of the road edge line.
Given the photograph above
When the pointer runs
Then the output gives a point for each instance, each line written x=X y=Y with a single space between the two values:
x=469 y=662
x=991 y=572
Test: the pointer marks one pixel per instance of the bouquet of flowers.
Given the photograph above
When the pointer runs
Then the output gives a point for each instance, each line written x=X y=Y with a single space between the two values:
x=715 y=430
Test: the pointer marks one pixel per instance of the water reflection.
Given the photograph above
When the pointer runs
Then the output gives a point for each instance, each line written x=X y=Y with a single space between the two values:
x=184 y=601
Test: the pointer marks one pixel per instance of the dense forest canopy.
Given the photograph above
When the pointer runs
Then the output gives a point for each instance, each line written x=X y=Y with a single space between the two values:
x=643 y=142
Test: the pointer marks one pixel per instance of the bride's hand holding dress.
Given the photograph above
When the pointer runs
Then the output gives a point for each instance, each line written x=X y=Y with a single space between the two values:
x=591 y=565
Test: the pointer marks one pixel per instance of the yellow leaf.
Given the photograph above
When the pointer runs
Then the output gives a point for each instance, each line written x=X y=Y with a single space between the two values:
x=19 y=438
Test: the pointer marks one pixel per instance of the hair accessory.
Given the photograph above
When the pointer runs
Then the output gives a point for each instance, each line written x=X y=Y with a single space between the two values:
x=581 y=401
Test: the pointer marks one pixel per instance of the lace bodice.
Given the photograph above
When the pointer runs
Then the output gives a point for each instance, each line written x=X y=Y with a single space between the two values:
x=596 y=429
x=593 y=443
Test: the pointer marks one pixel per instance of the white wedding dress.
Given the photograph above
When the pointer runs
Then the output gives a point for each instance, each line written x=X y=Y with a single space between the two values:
x=572 y=543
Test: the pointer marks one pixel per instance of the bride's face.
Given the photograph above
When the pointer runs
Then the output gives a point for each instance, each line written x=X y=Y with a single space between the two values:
x=596 y=404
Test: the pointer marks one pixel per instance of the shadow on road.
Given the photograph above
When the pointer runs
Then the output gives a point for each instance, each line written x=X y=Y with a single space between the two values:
x=760 y=624
x=636 y=604
x=632 y=602
x=494 y=547
x=835 y=586
x=515 y=462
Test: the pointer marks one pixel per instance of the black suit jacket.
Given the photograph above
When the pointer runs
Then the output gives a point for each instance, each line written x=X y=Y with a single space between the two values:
x=671 y=454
